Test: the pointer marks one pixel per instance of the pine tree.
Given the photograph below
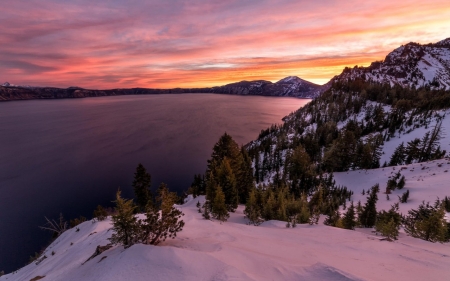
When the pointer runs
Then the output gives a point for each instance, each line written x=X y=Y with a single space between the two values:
x=100 y=213
x=206 y=210
x=427 y=223
x=304 y=215
x=141 y=186
x=349 y=221
x=270 y=205
x=219 y=208
x=369 y=213
x=245 y=179
x=125 y=224
x=398 y=158
x=389 y=230
x=252 y=210
x=404 y=198
x=227 y=181
x=389 y=222
x=333 y=219
x=401 y=183
x=164 y=223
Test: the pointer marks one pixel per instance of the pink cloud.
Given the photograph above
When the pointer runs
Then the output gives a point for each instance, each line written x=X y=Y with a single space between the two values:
x=192 y=43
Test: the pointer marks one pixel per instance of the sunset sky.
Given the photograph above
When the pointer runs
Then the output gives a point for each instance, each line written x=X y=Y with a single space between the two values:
x=174 y=43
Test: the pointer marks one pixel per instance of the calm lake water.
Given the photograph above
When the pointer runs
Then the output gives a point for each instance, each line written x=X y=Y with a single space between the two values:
x=71 y=155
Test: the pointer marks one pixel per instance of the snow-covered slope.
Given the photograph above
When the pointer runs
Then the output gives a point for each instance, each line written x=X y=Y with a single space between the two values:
x=425 y=181
x=412 y=65
x=209 y=250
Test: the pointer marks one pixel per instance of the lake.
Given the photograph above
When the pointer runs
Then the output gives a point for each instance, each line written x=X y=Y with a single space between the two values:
x=70 y=155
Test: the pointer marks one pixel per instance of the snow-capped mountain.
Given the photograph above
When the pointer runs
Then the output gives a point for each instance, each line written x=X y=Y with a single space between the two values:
x=288 y=87
x=291 y=86
x=412 y=65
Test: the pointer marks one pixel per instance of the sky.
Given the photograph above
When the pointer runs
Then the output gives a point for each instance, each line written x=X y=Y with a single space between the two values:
x=199 y=43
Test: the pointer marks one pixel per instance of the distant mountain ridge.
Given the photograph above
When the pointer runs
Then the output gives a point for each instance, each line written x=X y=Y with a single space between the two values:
x=411 y=65
x=290 y=86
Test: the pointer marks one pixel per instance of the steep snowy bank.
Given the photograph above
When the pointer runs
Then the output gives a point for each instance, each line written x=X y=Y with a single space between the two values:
x=208 y=250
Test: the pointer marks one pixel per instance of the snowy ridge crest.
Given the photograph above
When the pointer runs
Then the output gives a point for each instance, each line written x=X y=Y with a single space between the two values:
x=411 y=65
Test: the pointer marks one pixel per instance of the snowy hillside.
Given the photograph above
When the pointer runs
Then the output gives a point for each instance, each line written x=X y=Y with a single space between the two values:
x=412 y=65
x=209 y=250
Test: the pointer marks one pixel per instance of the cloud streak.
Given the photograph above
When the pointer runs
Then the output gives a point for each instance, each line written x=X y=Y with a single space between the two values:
x=178 y=43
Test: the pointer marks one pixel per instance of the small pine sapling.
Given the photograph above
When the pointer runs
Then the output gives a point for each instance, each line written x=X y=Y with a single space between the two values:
x=401 y=183
x=219 y=208
x=404 y=198
x=100 y=213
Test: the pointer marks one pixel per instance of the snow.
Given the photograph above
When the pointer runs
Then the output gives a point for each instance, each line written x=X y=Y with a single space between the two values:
x=209 y=250
x=425 y=181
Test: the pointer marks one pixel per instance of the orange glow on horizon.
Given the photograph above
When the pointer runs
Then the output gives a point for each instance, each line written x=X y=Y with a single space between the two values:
x=154 y=44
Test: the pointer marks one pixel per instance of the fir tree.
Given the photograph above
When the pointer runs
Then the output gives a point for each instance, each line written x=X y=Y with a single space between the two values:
x=333 y=219
x=219 y=208
x=227 y=181
x=401 y=183
x=304 y=215
x=389 y=222
x=164 y=223
x=398 y=158
x=206 y=209
x=100 y=213
x=270 y=205
x=141 y=186
x=404 y=198
x=245 y=179
x=349 y=221
x=252 y=210
x=369 y=213
x=427 y=223
x=125 y=224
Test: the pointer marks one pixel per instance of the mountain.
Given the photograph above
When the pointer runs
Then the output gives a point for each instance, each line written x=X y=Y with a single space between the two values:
x=365 y=115
x=287 y=87
x=411 y=65
x=290 y=86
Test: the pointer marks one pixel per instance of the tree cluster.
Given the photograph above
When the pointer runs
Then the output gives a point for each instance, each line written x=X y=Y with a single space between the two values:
x=428 y=222
x=162 y=219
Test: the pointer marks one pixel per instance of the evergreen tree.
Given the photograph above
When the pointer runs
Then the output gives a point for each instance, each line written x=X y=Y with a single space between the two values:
x=164 y=223
x=349 y=221
x=227 y=181
x=333 y=219
x=389 y=229
x=404 y=198
x=369 y=213
x=399 y=155
x=141 y=186
x=401 y=183
x=270 y=206
x=100 y=213
x=219 y=208
x=427 y=223
x=245 y=179
x=206 y=210
x=304 y=215
x=125 y=224
x=389 y=222
x=252 y=209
